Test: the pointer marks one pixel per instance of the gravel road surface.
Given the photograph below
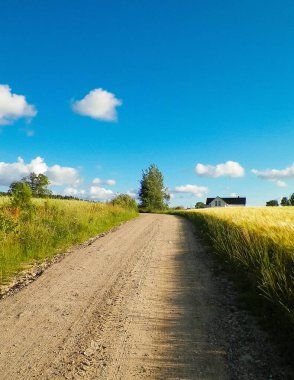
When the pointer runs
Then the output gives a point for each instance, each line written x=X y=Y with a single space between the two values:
x=144 y=302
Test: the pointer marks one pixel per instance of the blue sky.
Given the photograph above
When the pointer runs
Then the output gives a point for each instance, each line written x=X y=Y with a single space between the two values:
x=111 y=87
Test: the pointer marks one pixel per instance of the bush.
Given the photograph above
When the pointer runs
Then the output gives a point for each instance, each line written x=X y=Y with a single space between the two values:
x=272 y=203
x=21 y=195
x=125 y=200
x=200 y=205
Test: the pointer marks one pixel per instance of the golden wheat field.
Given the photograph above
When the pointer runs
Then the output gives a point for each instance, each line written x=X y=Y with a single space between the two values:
x=257 y=241
x=274 y=222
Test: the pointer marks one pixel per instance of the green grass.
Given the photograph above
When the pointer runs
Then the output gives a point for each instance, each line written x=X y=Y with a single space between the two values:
x=258 y=245
x=51 y=227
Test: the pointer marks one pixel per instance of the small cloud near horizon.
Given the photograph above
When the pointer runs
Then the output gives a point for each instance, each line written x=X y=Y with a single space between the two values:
x=72 y=191
x=99 y=181
x=100 y=193
x=198 y=191
x=276 y=175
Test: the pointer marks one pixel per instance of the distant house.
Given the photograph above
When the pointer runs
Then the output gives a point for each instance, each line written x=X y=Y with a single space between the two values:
x=225 y=202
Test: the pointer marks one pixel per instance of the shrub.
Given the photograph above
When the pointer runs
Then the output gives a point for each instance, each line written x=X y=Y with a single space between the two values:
x=21 y=195
x=125 y=200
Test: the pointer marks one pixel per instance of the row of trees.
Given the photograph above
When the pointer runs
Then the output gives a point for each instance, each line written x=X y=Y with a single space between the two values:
x=153 y=195
x=34 y=185
x=284 y=201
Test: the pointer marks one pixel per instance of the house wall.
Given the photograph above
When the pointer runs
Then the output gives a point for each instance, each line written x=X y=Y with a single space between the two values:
x=218 y=202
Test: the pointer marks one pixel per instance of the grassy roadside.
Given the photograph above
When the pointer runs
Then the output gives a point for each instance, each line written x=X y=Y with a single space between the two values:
x=256 y=246
x=53 y=225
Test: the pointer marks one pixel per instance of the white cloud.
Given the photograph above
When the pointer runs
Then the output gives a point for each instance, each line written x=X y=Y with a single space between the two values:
x=14 y=171
x=234 y=195
x=99 y=181
x=13 y=106
x=100 y=193
x=275 y=173
x=281 y=184
x=198 y=191
x=10 y=172
x=228 y=169
x=98 y=104
x=58 y=175
x=74 y=192
x=93 y=192
x=37 y=165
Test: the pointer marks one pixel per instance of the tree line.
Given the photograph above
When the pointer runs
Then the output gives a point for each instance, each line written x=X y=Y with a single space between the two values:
x=152 y=194
x=32 y=186
x=284 y=201
x=36 y=185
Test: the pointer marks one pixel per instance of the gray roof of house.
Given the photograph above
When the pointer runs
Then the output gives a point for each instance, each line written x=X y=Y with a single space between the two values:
x=229 y=201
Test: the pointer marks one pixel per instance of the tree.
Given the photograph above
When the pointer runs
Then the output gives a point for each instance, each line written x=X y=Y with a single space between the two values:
x=291 y=200
x=285 y=201
x=200 y=205
x=153 y=195
x=21 y=195
x=125 y=200
x=272 y=202
x=38 y=184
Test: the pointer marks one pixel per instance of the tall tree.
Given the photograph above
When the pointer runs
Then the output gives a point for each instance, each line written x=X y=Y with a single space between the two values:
x=291 y=199
x=38 y=183
x=285 y=201
x=153 y=194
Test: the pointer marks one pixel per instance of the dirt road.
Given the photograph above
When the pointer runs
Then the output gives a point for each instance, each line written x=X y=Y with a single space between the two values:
x=143 y=302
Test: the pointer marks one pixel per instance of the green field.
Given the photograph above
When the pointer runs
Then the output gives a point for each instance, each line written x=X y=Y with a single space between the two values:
x=258 y=243
x=32 y=236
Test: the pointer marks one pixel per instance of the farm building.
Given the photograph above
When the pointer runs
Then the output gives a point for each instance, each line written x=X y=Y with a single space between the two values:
x=225 y=202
